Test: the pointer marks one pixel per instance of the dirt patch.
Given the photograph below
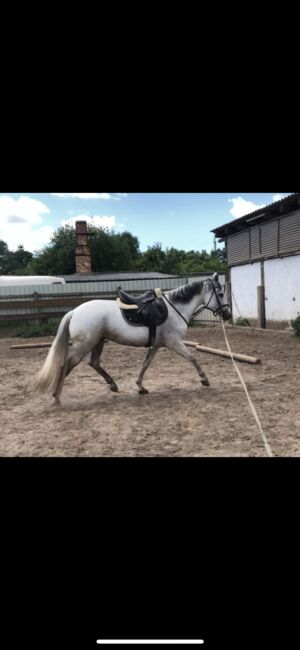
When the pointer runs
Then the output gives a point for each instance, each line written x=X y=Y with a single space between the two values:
x=178 y=417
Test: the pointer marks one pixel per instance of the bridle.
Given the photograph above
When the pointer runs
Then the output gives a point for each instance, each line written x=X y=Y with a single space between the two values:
x=219 y=309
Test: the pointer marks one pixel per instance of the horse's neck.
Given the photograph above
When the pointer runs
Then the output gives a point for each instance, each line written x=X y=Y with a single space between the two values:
x=187 y=308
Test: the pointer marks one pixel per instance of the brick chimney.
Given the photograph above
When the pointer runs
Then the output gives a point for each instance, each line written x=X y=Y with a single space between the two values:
x=82 y=252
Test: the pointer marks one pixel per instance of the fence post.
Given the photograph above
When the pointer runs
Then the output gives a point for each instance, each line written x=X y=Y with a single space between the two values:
x=261 y=312
x=228 y=295
x=37 y=296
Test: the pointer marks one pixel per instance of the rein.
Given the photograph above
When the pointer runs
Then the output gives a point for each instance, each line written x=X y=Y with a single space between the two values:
x=178 y=312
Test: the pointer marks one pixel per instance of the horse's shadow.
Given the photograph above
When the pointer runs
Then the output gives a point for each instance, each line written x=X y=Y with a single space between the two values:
x=155 y=400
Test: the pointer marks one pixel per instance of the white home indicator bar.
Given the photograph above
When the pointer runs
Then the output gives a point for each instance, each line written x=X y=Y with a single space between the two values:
x=150 y=641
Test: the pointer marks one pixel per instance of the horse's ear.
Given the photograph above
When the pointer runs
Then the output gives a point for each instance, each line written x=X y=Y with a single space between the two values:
x=215 y=277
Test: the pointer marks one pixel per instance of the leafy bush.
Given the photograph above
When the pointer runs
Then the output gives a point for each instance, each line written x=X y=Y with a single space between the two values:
x=28 y=330
x=242 y=322
x=296 y=325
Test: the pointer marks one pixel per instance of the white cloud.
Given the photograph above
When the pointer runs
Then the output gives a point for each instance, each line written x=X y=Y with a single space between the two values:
x=84 y=195
x=91 y=195
x=241 y=206
x=32 y=240
x=19 y=219
x=97 y=220
x=278 y=197
x=29 y=210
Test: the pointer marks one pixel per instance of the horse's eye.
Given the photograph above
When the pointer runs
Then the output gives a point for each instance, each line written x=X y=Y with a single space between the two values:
x=221 y=294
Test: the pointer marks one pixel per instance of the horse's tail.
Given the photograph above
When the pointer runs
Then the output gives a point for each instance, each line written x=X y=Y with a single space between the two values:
x=56 y=358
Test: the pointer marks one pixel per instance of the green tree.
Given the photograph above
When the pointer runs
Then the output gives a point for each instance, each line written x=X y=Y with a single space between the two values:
x=109 y=252
x=125 y=252
x=13 y=262
x=21 y=259
x=173 y=260
x=4 y=252
x=100 y=246
x=3 y=248
x=153 y=259
x=219 y=259
x=221 y=253
x=58 y=257
x=193 y=262
x=112 y=251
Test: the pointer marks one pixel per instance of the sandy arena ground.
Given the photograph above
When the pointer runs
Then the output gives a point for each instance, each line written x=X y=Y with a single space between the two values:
x=179 y=417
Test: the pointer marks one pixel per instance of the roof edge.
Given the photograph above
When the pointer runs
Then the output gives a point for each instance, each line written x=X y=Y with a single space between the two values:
x=267 y=211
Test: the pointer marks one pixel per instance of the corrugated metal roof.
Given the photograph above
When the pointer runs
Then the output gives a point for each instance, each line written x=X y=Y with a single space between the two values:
x=97 y=277
x=219 y=232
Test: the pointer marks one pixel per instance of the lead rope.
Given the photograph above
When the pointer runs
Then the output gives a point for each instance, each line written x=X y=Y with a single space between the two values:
x=252 y=407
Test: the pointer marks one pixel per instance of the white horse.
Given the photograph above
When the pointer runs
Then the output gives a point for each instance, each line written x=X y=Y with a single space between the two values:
x=88 y=325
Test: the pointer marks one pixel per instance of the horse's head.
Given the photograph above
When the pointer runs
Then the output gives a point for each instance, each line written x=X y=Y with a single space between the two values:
x=215 y=298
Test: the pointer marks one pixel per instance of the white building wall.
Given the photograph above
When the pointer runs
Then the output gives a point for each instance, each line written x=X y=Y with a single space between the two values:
x=244 y=282
x=282 y=288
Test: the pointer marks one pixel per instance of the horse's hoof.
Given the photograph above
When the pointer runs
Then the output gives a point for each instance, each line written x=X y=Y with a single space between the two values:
x=114 y=388
x=205 y=382
x=143 y=391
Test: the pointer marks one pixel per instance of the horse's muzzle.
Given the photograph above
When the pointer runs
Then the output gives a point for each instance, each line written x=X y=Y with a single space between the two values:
x=226 y=314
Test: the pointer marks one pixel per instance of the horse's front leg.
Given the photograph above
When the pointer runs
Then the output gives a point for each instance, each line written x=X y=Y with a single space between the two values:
x=147 y=360
x=180 y=348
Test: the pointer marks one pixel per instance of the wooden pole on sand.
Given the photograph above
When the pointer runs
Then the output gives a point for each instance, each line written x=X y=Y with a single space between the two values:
x=223 y=353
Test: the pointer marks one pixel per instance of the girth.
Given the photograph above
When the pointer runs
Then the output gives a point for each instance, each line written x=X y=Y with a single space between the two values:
x=148 y=310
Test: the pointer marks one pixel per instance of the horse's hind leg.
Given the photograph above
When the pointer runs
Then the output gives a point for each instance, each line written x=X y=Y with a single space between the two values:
x=180 y=348
x=94 y=362
x=147 y=360
x=74 y=359
x=59 y=385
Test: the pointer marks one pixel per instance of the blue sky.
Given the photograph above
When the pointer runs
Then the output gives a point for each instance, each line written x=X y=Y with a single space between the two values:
x=180 y=220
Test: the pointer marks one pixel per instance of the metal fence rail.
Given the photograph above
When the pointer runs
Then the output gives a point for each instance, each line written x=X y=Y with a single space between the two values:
x=48 y=301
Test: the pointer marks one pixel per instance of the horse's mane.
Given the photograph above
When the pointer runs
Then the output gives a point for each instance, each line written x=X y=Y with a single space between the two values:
x=186 y=292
